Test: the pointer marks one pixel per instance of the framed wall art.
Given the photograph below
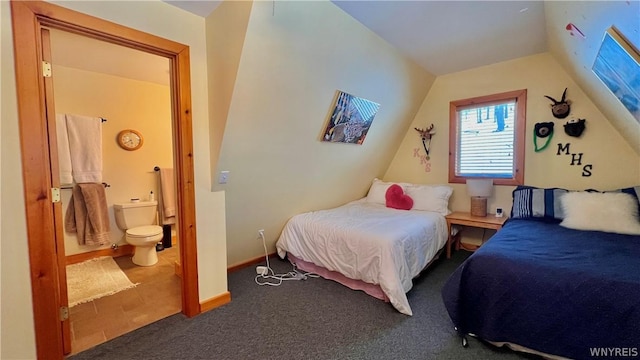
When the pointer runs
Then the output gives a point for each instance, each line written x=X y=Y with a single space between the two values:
x=350 y=119
x=617 y=65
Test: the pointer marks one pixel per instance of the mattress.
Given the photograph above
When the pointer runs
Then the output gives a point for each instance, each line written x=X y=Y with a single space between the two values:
x=369 y=242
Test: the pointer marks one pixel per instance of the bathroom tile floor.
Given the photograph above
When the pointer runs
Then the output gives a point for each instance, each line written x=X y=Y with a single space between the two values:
x=156 y=297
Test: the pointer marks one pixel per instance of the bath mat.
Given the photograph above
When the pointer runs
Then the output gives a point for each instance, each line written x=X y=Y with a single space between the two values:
x=95 y=278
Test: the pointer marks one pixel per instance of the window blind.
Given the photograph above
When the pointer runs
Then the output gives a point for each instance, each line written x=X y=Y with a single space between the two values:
x=485 y=146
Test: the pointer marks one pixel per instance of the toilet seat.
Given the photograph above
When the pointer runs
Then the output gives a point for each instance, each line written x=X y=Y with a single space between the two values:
x=144 y=231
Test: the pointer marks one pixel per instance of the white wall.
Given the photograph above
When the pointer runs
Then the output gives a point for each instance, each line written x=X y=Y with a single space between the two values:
x=126 y=104
x=155 y=17
x=292 y=63
x=615 y=164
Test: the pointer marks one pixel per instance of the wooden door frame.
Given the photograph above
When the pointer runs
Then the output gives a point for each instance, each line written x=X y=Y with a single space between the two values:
x=49 y=100
x=28 y=17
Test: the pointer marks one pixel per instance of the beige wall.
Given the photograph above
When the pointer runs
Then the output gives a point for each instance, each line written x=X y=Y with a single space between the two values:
x=154 y=17
x=226 y=28
x=16 y=314
x=614 y=162
x=126 y=104
x=292 y=63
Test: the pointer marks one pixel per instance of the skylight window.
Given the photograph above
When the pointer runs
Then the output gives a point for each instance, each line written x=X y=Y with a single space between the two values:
x=617 y=65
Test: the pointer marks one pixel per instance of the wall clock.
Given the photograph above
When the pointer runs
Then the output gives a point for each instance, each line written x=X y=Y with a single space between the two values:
x=130 y=139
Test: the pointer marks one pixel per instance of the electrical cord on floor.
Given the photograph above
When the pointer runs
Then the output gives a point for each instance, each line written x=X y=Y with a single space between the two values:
x=273 y=279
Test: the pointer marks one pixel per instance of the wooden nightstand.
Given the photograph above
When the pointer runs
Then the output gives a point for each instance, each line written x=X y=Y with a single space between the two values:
x=464 y=218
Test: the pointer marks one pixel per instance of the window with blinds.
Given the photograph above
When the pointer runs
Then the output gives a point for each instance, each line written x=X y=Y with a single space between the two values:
x=487 y=138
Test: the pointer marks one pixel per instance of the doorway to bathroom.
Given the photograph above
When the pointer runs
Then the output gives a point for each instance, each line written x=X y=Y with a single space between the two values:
x=41 y=168
x=121 y=90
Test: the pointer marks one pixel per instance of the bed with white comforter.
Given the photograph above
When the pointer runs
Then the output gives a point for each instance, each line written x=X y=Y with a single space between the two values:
x=367 y=241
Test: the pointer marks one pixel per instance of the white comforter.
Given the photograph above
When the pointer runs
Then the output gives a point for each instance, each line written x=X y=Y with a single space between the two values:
x=369 y=242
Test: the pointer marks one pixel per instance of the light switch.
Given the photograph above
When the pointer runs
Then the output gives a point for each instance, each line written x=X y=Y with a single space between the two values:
x=224 y=176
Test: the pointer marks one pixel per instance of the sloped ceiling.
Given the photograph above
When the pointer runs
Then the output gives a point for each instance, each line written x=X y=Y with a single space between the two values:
x=201 y=7
x=577 y=53
x=442 y=36
x=450 y=36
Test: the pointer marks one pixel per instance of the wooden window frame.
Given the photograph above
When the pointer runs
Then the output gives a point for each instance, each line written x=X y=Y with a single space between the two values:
x=520 y=97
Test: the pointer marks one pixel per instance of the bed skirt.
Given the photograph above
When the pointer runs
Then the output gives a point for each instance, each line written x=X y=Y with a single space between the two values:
x=371 y=289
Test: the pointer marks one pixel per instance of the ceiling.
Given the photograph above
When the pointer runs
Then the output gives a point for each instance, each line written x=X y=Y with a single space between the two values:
x=443 y=36
x=450 y=36
x=201 y=7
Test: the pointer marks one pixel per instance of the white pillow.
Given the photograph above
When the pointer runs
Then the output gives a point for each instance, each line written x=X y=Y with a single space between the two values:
x=378 y=190
x=609 y=212
x=430 y=197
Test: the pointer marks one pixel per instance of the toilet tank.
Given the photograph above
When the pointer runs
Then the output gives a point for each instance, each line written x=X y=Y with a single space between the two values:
x=133 y=214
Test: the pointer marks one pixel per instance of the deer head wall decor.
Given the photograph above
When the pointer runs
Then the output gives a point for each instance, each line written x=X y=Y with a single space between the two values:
x=425 y=135
x=560 y=109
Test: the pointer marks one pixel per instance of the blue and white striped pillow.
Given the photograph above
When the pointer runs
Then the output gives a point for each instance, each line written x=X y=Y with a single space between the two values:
x=533 y=202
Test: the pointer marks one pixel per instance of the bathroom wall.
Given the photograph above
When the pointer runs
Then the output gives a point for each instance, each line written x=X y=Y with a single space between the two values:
x=125 y=103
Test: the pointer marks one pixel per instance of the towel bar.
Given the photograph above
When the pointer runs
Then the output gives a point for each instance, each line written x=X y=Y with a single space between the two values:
x=71 y=187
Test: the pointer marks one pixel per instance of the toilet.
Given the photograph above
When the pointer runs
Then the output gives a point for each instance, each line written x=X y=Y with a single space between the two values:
x=138 y=221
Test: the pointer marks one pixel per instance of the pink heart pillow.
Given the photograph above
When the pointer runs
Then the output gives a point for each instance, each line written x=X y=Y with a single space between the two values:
x=397 y=199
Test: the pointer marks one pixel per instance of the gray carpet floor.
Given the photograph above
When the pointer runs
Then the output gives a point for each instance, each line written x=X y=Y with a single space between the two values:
x=309 y=319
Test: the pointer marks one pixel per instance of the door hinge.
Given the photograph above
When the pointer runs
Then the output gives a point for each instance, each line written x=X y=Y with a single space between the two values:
x=64 y=313
x=55 y=195
x=46 y=69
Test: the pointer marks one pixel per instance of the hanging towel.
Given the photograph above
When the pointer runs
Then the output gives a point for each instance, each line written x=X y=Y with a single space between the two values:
x=64 y=155
x=85 y=147
x=87 y=214
x=167 y=197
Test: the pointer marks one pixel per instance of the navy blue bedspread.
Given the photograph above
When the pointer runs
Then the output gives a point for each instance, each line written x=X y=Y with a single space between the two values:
x=551 y=289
